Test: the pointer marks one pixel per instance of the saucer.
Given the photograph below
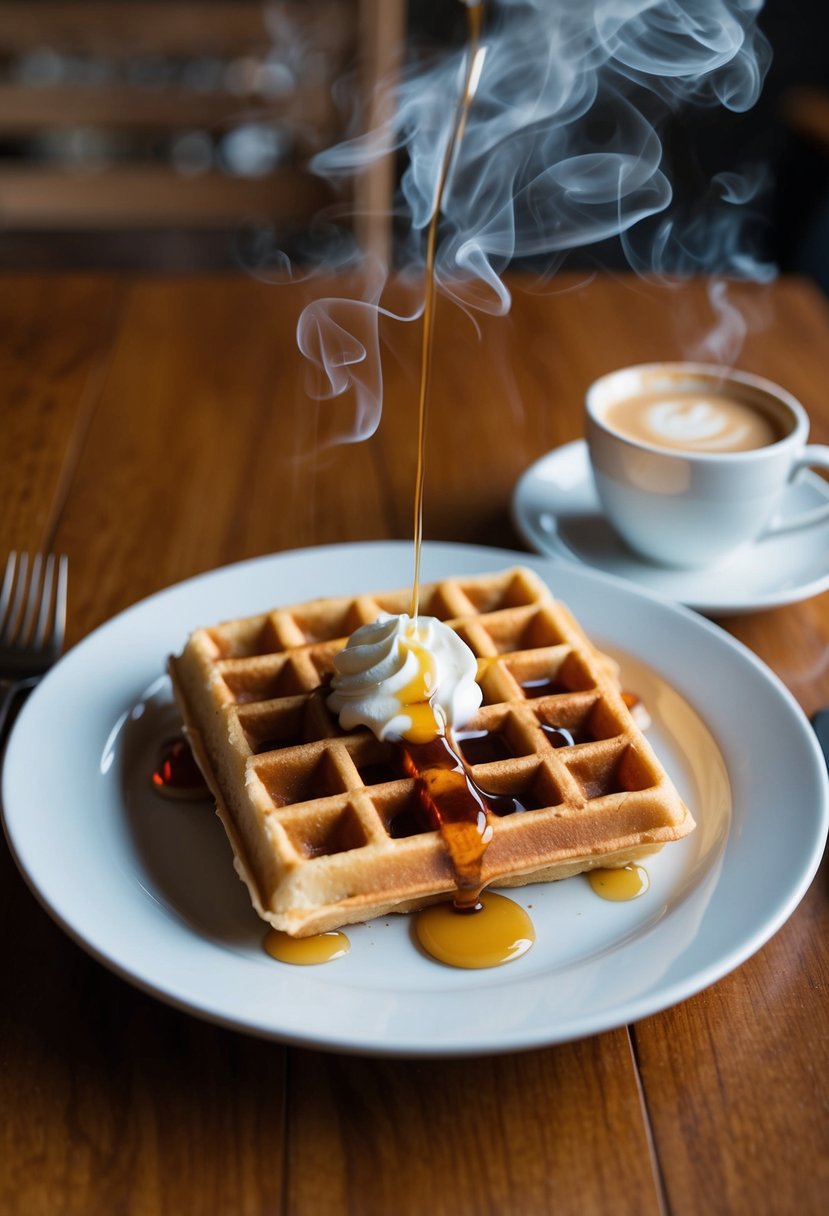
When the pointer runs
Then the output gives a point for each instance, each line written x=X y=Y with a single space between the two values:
x=556 y=510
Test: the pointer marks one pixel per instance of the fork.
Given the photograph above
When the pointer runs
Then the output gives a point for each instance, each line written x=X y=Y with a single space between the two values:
x=32 y=622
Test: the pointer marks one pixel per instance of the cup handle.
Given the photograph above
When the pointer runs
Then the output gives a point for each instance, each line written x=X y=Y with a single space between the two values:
x=813 y=456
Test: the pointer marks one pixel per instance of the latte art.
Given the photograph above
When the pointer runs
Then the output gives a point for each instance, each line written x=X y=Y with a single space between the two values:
x=701 y=423
x=693 y=420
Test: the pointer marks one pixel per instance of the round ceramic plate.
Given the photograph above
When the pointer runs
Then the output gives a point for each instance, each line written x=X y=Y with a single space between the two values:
x=147 y=886
x=556 y=510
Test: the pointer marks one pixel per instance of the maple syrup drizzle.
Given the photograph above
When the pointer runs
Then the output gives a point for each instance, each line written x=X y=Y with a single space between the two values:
x=483 y=746
x=474 y=20
x=306 y=951
x=177 y=776
x=416 y=697
x=628 y=882
x=456 y=806
x=499 y=932
x=559 y=736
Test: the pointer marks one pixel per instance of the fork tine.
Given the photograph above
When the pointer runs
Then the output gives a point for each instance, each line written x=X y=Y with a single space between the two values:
x=6 y=591
x=59 y=620
x=9 y=634
x=45 y=602
x=32 y=602
x=33 y=606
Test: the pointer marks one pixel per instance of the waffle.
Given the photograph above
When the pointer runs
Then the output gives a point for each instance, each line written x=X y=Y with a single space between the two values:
x=327 y=828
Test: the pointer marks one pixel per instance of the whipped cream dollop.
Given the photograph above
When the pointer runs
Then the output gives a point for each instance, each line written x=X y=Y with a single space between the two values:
x=405 y=678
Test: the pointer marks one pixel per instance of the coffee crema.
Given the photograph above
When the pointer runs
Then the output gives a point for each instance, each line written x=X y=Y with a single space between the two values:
x=693 y=419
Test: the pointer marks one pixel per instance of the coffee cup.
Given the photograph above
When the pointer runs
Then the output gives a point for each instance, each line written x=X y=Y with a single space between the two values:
x=691 y=461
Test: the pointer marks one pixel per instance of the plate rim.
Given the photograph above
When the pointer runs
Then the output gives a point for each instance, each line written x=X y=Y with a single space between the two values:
x=490 y=557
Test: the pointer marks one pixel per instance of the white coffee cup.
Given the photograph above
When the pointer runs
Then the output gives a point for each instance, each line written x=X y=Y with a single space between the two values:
x=669 y=482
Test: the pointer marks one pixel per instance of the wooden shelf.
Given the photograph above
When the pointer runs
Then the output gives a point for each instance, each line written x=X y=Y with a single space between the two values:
x=27 y=111
x=151 y=195
x=181 y=27
x=322 y=39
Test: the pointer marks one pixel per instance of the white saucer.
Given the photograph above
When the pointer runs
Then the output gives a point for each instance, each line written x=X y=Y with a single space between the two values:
x=556 y=511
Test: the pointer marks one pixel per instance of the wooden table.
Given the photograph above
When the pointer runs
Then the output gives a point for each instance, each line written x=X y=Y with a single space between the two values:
x=153 y=429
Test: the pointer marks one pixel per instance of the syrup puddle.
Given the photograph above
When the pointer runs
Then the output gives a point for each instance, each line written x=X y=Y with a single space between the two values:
x=620 y=885
x=176 y=775
x=306 y=951
x=496 y=931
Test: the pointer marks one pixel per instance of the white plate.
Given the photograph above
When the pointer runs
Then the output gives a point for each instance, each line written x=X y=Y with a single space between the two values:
x=557 y=512
x=147 y=886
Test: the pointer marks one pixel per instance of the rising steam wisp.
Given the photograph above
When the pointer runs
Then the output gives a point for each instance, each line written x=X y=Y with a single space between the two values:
x=560 y=150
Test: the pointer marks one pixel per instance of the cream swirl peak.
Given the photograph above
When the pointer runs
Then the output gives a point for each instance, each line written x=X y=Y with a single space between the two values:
x=405 y=677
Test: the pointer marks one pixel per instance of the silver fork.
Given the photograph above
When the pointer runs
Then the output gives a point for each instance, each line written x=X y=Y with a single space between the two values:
x=32 y=622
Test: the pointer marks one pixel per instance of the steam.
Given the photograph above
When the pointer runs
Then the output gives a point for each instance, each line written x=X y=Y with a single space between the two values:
x=561 y=151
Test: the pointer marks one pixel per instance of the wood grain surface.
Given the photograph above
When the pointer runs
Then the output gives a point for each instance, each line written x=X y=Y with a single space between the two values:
x=156 y=428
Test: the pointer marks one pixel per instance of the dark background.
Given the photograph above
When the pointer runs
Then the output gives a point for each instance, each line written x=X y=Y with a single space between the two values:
x=785 y=137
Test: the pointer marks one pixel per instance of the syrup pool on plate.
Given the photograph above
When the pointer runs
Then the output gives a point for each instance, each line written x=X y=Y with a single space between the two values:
x=495 y=931
x=176 y=775
x=627 y=882
x=306 y=951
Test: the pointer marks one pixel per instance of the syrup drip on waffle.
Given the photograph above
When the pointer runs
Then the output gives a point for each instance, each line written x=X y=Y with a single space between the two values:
x=458 y=809
x=416 y=697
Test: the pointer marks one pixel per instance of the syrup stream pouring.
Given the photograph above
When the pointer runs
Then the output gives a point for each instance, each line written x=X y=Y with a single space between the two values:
x=446 y=788
x=474 y=67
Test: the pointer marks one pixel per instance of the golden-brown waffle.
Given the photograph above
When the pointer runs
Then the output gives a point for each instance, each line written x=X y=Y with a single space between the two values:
x=326 y=827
